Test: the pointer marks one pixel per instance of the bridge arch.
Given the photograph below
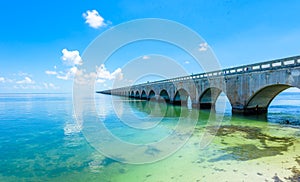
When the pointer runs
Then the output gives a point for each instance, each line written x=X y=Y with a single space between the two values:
x=164 y=95
x=137 y=94
x=151 y=95
x=208 y=97
x=132 y=94
x=181 y=97
x=144 y=95
x=259 y=102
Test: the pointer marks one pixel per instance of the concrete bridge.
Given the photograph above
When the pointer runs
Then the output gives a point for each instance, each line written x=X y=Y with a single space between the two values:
x=249 y=89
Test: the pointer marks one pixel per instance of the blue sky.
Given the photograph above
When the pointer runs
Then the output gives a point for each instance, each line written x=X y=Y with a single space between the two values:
x=33 y=35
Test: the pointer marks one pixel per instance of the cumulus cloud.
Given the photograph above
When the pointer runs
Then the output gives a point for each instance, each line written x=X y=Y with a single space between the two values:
x=93 y=19
x=26 y=80
x=117 y=74
x=103 y=73
x=2 y=79
x=186 y=62
x=68 y=74
x=203 y=46
x=71 y=58
x=50 y=72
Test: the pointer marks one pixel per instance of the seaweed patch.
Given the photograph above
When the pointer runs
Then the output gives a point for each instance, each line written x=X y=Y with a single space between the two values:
x=152 y=151
x=248 y=151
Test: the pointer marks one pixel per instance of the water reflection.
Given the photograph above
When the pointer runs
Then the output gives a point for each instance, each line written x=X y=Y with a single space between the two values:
x=143 y=128
x=48 y=146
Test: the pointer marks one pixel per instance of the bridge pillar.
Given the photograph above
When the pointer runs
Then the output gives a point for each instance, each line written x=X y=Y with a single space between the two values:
x=157 y=98
x=195 y=105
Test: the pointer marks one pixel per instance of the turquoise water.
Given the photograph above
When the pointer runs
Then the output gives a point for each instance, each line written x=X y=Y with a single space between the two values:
x=41 y=141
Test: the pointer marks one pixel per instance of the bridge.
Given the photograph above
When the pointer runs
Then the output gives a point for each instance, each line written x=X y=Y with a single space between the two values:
x=249 y=88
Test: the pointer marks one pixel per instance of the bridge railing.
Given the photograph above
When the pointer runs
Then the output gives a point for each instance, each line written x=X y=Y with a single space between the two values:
x=268 y=65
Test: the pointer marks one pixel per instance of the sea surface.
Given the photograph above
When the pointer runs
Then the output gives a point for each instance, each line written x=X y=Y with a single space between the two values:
x=41 y=140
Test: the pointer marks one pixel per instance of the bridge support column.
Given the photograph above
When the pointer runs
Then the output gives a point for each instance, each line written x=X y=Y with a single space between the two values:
x=195 y=105
x=157 y=98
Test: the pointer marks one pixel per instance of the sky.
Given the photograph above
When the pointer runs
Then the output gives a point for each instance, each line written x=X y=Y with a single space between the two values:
x=41 y=42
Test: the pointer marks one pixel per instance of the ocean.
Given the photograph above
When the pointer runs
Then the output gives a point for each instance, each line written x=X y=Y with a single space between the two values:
x=41 y=140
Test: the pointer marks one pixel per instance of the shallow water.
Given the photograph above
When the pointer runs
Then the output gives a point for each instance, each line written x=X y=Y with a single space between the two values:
x=40 y=140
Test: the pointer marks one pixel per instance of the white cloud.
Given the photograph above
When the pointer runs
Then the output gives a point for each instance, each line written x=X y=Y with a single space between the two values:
x=100 y=80
x=93 y=19
x=63 y=77
x=26 y=83
x=50 y=86
x=203 y=46
x=73 y=70
x=26 y=80
x=146 y=57
x=69 y=74
x=84 y=78
x=23 y=74
x=28 y=86
x=51 y=72
x=71 y=57
x=117 y=74
x=103 y=73
x=186 y=62
x=46 y=85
